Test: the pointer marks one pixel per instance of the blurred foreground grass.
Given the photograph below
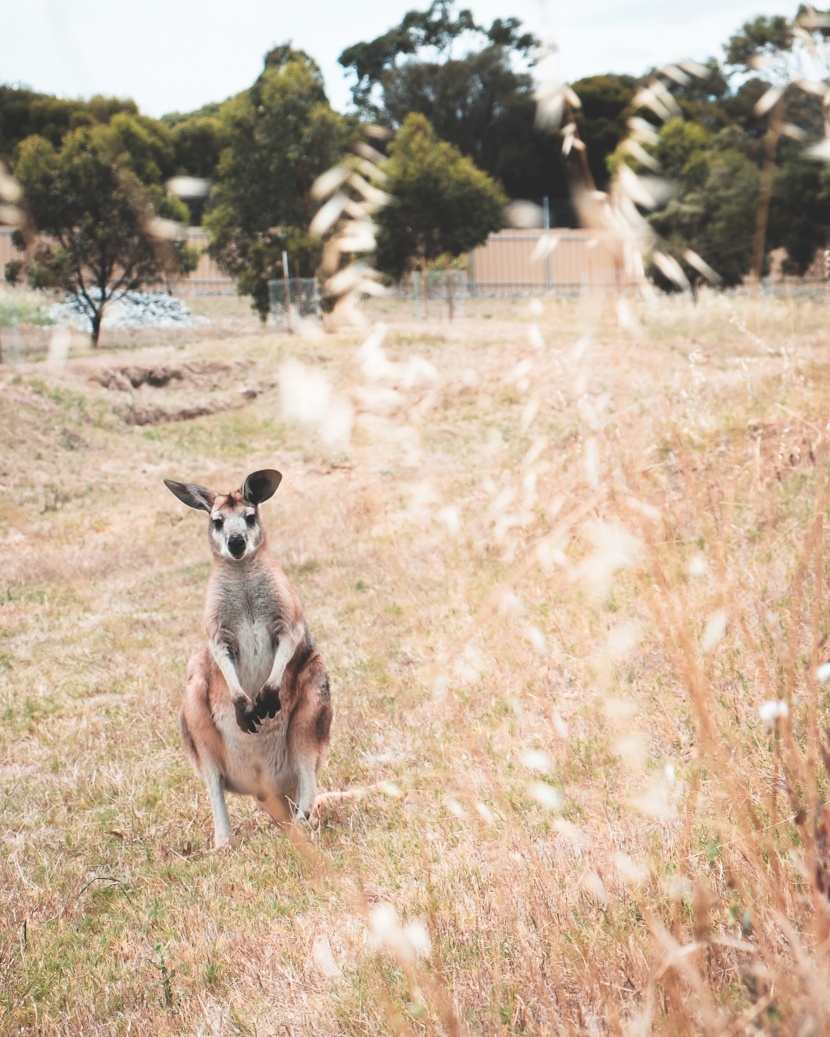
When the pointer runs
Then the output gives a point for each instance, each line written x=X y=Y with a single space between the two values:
x=559 y=572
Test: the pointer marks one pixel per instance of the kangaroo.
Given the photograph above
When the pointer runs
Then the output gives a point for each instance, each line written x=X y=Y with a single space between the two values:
x=256 y=711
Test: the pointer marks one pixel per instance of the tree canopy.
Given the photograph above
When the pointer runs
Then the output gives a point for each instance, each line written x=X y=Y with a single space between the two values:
x=97 y=222
x=435 y=31
x=279 y=137
x=737 y=159
x=715 y=198
x=26 y=113
x=442 y=205
x=473 y=85
x=606 y=103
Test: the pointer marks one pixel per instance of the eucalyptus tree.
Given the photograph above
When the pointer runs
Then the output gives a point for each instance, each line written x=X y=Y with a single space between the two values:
x=443 y=204
x=100 y=231
x=279 y=136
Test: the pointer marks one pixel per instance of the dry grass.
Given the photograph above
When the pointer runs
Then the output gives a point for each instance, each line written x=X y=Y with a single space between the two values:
x=555 y=576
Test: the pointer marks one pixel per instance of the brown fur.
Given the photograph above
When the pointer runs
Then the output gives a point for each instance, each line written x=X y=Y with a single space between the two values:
x=202 y=740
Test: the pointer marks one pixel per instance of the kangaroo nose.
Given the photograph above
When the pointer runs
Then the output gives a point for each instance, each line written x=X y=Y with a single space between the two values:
x=236 y=546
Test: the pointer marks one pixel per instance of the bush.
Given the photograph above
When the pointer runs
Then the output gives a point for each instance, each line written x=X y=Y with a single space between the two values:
x=13 y=271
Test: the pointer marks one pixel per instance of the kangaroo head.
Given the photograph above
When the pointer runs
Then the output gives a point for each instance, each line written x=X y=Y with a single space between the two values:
x=235 y=528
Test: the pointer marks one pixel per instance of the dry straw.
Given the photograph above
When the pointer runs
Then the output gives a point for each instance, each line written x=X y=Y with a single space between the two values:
x=10 y=198
x=349 y=196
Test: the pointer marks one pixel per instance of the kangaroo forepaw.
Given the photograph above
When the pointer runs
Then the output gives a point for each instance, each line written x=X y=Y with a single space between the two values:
x=247 y=716
x=268 y=702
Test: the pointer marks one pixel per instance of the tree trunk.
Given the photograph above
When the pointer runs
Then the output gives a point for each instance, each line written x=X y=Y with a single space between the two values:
x=97 y=317
x=771 y=139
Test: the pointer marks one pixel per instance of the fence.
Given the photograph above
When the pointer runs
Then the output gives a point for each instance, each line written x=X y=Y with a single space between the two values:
x=207 y=278
x=580 y=261
x=446 y=293
x=546 y=262
x=303 y=301
x=510 y=262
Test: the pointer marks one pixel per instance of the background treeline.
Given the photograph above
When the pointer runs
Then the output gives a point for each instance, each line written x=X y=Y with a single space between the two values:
x=472 y=87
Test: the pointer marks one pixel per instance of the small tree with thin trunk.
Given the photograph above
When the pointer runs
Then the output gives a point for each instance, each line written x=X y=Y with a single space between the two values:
x=101 y=232
x=443 y=204
x=280 y=136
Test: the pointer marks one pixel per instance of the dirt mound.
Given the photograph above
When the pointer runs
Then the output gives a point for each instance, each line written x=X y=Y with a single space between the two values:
x=158 y=376
x=152 y=415
x=163 y=390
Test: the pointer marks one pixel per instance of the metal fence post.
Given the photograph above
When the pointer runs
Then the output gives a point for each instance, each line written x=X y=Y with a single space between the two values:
x=548 y=275
x=287 y=291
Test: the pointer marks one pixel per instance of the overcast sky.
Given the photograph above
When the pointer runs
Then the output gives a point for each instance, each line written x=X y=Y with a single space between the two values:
x=176 y=55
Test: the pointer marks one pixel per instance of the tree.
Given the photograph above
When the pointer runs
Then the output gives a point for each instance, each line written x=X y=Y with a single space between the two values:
x=606 y=102
x=783 y=52
x=148 y=143
x=472 y=84
x=433 y=30
x=97 y=222
x=443 y=203
x=198 y=140
x=800 y=213
x=197 y=147
x=715 y=198
x=26 y=113
x=767 y=36
x=281 y=135
x=208 y=111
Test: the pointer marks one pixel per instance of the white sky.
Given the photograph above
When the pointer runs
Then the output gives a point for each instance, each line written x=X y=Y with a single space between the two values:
x=176 y=55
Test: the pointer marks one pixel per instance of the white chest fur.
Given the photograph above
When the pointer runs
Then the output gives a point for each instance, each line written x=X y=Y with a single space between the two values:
x=254 y=656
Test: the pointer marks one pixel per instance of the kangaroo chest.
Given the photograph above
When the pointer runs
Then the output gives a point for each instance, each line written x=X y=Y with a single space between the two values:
x=250 y=613
x=254 y=653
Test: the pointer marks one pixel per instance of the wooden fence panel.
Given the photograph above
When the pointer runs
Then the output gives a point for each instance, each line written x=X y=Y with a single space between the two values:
x=207 y=276
x=577 y=261
x=540 y=261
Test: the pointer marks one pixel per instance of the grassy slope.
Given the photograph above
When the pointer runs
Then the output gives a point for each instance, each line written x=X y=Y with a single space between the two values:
x=497 y=568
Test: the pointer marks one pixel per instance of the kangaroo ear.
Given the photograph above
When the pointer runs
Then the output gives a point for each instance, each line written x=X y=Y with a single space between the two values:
x=199 y=497
x=259 y=486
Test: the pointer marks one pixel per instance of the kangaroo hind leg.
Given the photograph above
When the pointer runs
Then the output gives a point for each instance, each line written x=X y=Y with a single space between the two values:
x=222 y=830
x=204 y=744
x=308 y=734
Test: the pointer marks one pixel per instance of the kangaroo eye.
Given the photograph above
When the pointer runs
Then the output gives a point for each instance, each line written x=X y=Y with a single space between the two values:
x=217 y=524
x=250 y=519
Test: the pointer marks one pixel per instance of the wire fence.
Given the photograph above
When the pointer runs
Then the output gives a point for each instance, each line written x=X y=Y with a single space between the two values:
x=300 y=303
x=443 y=293
x=510 y=263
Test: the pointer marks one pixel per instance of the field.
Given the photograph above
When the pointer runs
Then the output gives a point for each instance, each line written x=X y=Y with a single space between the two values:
x=569 y=575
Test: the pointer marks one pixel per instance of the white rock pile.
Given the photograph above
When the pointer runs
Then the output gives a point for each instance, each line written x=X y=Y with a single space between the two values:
x=134 y=310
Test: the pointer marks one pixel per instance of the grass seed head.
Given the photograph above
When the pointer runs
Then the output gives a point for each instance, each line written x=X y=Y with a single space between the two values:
x=714 y=630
